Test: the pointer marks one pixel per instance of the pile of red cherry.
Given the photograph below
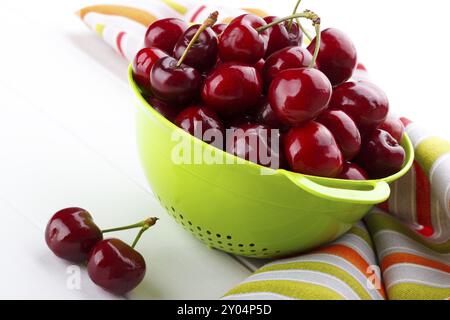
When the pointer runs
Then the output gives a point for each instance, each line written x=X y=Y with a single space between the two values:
x=111 y=263
x=253 y=74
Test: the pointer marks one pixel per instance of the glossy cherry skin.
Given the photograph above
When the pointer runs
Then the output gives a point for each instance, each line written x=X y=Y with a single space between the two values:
x=280 y=36
x=240 y=42
x=200 y=120
x=344 y=131
x=218 y=28
x=381 y=155
x=165 y=33
x=352 y=171
x=394 y=126
x=174 y=85
x=299 y=95
x=363 y=101
x=203 y=53
x=311 y=149
x=253 y=142
x=337 y=56
x=143 y=64
x=71 y=234
x=163 y=108
x=287 y=58
x=232 y=89
x=265 y=115
x=259 y=66
x=115 y=266
x=240 y=121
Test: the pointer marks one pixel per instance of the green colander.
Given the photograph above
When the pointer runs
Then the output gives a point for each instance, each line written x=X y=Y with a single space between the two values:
x=243 y=208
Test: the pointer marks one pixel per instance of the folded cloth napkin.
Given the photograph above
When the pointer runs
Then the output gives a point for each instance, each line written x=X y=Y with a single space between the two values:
x=402 y=248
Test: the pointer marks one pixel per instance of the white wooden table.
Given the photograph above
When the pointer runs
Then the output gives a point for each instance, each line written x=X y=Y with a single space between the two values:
x=67 y=139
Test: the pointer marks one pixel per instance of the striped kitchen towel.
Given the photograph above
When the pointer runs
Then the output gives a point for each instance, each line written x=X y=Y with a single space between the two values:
x=400 y=251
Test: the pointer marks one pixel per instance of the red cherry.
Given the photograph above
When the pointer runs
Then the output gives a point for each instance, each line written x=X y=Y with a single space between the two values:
x=203 y=53
x=173 y=84
x=163 y=108
x=259 y=66
x=299 y=95
x=281 y=36
x=253 y=142
x=143 y=64
x=381 y=155
x=232 y=89
x=363 y=101
x=115 y=266
x=287 y=58
x=337 y=55
x=164 y=34
x=344 y=131
x=240 y=121
x=71 y=233
x=219 y=28
x=394 y=126
x=265 y=115
x=198 y=120
x=352 y=171
x=311 y=149
x=241 y=42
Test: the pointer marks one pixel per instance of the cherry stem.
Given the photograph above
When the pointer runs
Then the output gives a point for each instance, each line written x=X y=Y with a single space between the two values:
x=209 y=22
x=149 y=222
x=307 y=14
x=304 y=31
x=294 y=12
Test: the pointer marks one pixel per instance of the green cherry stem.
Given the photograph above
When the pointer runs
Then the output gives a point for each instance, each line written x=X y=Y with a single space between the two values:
x=305 y=32
x=209 y=22
x=141 y=224
x=307 y=14
x=144 y=228
x=294 y=12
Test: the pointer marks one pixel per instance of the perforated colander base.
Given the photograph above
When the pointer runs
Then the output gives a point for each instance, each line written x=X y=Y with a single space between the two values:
x=217 y=240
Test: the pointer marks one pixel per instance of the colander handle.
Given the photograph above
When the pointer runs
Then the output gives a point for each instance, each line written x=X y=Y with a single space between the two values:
x=365 y=192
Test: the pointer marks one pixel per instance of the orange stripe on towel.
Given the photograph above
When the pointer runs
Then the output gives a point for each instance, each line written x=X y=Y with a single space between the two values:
x=353 y=257
x=141 y=16
x=396 y=258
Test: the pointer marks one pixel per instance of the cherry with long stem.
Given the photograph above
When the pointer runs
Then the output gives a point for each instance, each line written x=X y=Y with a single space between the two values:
x=307 y=14
x=209 y=22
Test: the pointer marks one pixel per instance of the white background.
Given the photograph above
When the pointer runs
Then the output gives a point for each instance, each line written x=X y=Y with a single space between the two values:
x=67 y=134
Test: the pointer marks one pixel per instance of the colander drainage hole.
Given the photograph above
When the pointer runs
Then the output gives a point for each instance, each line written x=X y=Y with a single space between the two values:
x=240 y=245
x=208 y=232
x=229 y=237
x=251 y=244
x=181 y=216
x=199 y=229
x=218 y=235
x=190 y=223
x=230 y=244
